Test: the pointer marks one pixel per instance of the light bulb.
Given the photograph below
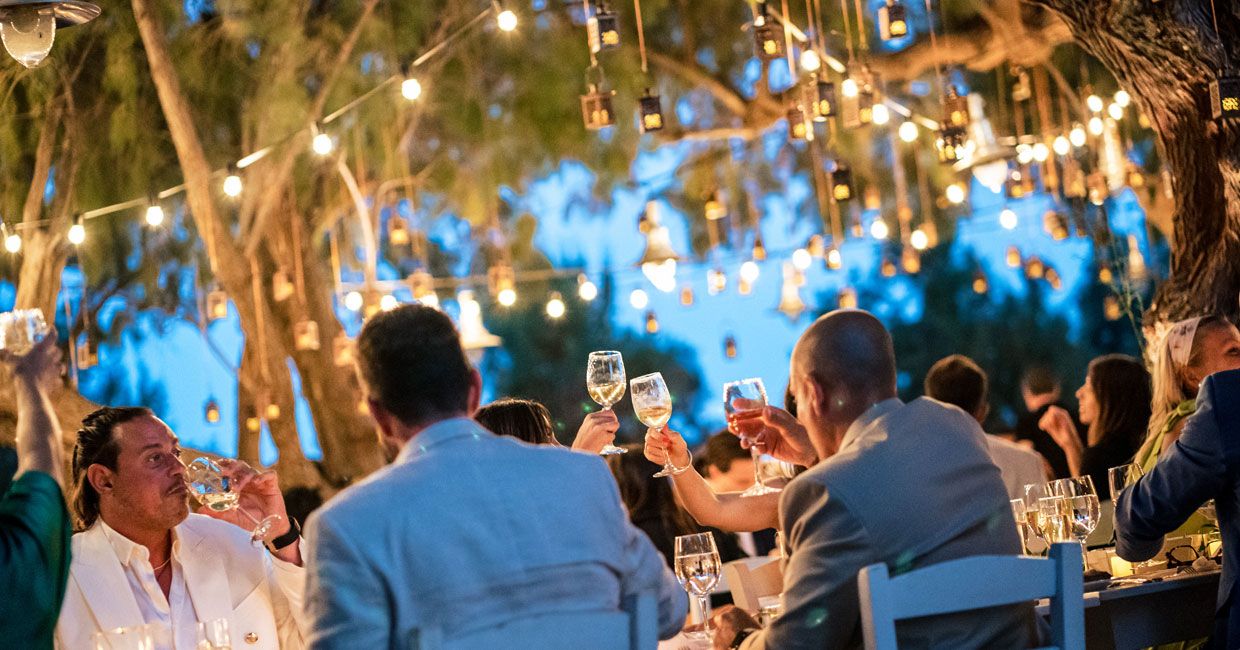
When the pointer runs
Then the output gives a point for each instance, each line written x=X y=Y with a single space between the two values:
x=388 y=302
x=662 y=274
x=555 y=306
x=849 y=87
x=469 y=307
x=880 y=115
x=1094 y=103
x=410 y=89
x=1041 y=152
x=506 y=297
x=1007 y=219
x=955 y=193
x=28 y=32
x=232 y=185
x=908 y=132
x=587 y=291
x=1123 y=99
x=750 y=271
x=13 y=243
x=322 y=144
x=507 y=20
x=1062 y=146
x=810 y=60
x=1115 y=111
x=834 y=259
x=1024 y=154
x=639 y=299
x=353 y=301
x=1077 y=137
x=801 y=259
x=154 y=215
x=919 y=240
x=77 y=234
x=1095 y=126
x=879 y=229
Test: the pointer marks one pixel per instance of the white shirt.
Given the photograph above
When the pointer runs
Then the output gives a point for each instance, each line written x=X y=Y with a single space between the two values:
x=172 y=619
x=1018 y=465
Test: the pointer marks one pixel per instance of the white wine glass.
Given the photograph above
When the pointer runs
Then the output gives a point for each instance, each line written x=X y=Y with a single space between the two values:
x=1083 y=506
x=213 y=634
x=742 y=398
x=20 y=330
x=698 y=568
x=1021 y=514
x=605 y=381
x=137 y=637
x=214 y=490
x=653 y=404
x=1054 y=520
x=1120 y=478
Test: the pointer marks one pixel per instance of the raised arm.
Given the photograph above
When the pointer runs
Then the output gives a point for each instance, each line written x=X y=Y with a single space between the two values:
x=38 y=432
x=727 y=511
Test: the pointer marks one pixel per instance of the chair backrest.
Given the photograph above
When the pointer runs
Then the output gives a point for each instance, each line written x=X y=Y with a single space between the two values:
x=975 y=583
x=751 y=579
x=635 y=628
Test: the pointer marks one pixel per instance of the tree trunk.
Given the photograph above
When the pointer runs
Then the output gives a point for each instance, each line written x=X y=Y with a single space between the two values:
x=1165 y=54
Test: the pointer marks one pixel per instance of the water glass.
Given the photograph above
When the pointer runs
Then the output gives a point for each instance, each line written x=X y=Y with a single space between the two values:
x=21 y=329
x=138 y=637
x=212 y=634
x=698 y=568
x=605 y=382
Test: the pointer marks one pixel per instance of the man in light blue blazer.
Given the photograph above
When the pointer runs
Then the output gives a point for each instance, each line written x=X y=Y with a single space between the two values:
x=464 y=530
x=1203 y=464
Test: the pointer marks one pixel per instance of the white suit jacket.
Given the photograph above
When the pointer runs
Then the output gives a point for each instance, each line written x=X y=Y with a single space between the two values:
x=467 y=530
x=226 y=577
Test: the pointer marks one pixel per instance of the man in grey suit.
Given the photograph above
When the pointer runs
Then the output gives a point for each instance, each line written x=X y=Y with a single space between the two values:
x=464 y=530
x=1203 y=464
x=909 y=485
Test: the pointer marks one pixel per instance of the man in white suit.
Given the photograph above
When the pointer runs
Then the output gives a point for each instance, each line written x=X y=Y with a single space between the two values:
x=909 y=485
x=142 y=558
x=464 y=530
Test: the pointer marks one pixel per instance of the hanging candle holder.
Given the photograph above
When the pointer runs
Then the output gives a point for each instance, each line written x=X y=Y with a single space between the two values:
x=212 y=413
x=86 y=355
x=888 y=268
x=1035 y=269
x=1225 y=95
x=306 y=335
x=729 y=347
x=1020 y=181
x=652 y=323
x=1055 y=225
x=282 y=287
x=500 y=278
x=953 y=132
x=686 y=296
x=716 y=281
x=596 y=105
x=759 y=249
x=955 y=108
x=981 y=284
x=847 y=298
x=651 y=110
x=911 y=260
x=1098 y=190
x=857 y=106
x=768 y=36
x=421 y=284
x=841 y=183
x=892 y=20
x=1073 y=180
x=603 y=28
x=342 y=350
x=798 y=126
x=1013 y=256
x=398 y=231
x=820 y=95
x=217 y=305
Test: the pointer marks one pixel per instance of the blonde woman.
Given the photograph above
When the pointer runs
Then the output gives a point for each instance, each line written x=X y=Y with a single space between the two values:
x=1193 y=350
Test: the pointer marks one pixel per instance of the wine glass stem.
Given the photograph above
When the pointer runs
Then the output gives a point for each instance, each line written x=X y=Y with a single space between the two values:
x=757 y=478
x=667 y=453
x=703 y=604
x=249 y=516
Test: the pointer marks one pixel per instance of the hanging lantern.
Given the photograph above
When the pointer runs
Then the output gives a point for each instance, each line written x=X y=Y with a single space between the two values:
x=651 y=110
x=858 y=109
x=841 y=183
x=1052 y=277
x=834 y=259
x=1105 y=274
x=955 y=108
x=1013 y=256
x=980 y=283
x=768 y=36
x=342 y=350
x=847 y=298
x=686 y=296
x=744 y=287
x=421 y=285
x=1134 y=176
x=500 y=278
x=658 y=261
x=892 y=20
x=815 y=247
x=652 y=323
x=953 y=133
x=873 y=200
x=715 y=208
x=217 y=305
x=398 y=231
x=1136 y=260
x=1034 y=268
x=282 y=286
x=798 y=129
x=474 y=335
x=1020 y=181
x=306 y=335
x=86 y=355
x=603 y=28
x=253 y=424
x=716 y=281
x=1098 y=190
x=911 y=261
x=1073 y=180
x=596 y=105
x=1055 y=225
x=272 y=412
x=759 y=250
x=820 y=94
x=1225 y=95
x=1110 y=308
x=888 y=268
x=729 y=347
x=212 y=412
x=790 y=302
x=1021 y=88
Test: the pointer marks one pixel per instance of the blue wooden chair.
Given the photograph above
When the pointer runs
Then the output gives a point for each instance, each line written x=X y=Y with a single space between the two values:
x=635 y=628
x=975 y=583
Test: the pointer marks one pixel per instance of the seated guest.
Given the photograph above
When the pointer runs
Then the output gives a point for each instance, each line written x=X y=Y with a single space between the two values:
x=34 y=522
x=652 y=507
x=958 y=381
x=1115 y=403
x=142 y=558
x=1203 y=464
x=530 y=421
x=908 y=485
x=465 y=529
x=728 y=467
x=1041 y=390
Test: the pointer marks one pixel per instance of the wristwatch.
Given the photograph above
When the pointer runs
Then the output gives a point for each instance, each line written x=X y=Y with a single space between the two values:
x=740 y=638
x=279 y=543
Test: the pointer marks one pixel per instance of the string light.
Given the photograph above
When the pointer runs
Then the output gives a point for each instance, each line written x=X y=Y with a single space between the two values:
x=1095 y=125
x=232 y=183
x=1123 y=98
x=834 y=259
x=353 y=301
x=154 y=213
x=801 y=259
x=1094 y=103
x=878 y=229
x=1115 y=111
x=810 y=61
x=849 y=87
x=410 y=89
x=388 y=302
x=12 y=241
x=1008 y=219
x=506 y=20
x=880 y=114
x=506 y=297
x=321 y=143
x=586 y=289
x=750 y=271
x=1062 y=146
x=919 y=240
x=1041 y=152
x=908 y=132
x=77 y=232
x=955 y=193
x=639 y=299
x=555 y=306
x=1077 y=136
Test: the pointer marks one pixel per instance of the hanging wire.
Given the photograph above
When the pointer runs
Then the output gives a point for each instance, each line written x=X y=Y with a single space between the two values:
x=822 y=42
x=934 y=49
x=641 y=37
x=862 y=40
x=848 y=30
x=585 y=15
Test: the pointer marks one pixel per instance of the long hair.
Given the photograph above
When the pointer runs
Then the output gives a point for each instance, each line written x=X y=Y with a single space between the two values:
x=520 y=418
x=1122 y=389
x=1168 y=381
x=97 y=445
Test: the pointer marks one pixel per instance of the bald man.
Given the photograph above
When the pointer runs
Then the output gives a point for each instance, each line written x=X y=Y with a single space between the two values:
x=909 y=485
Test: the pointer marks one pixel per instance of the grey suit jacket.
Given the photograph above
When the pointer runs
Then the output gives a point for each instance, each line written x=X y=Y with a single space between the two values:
x=468 y=530
x=912 y=485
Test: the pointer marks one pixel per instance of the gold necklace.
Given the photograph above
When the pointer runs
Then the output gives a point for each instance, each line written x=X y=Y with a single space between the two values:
x=161 y=567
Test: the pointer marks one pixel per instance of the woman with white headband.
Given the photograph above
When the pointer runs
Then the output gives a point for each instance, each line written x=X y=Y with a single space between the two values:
x=1193 y=350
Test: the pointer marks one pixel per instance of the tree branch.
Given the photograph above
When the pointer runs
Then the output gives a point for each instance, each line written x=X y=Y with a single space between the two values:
x=982 y=48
